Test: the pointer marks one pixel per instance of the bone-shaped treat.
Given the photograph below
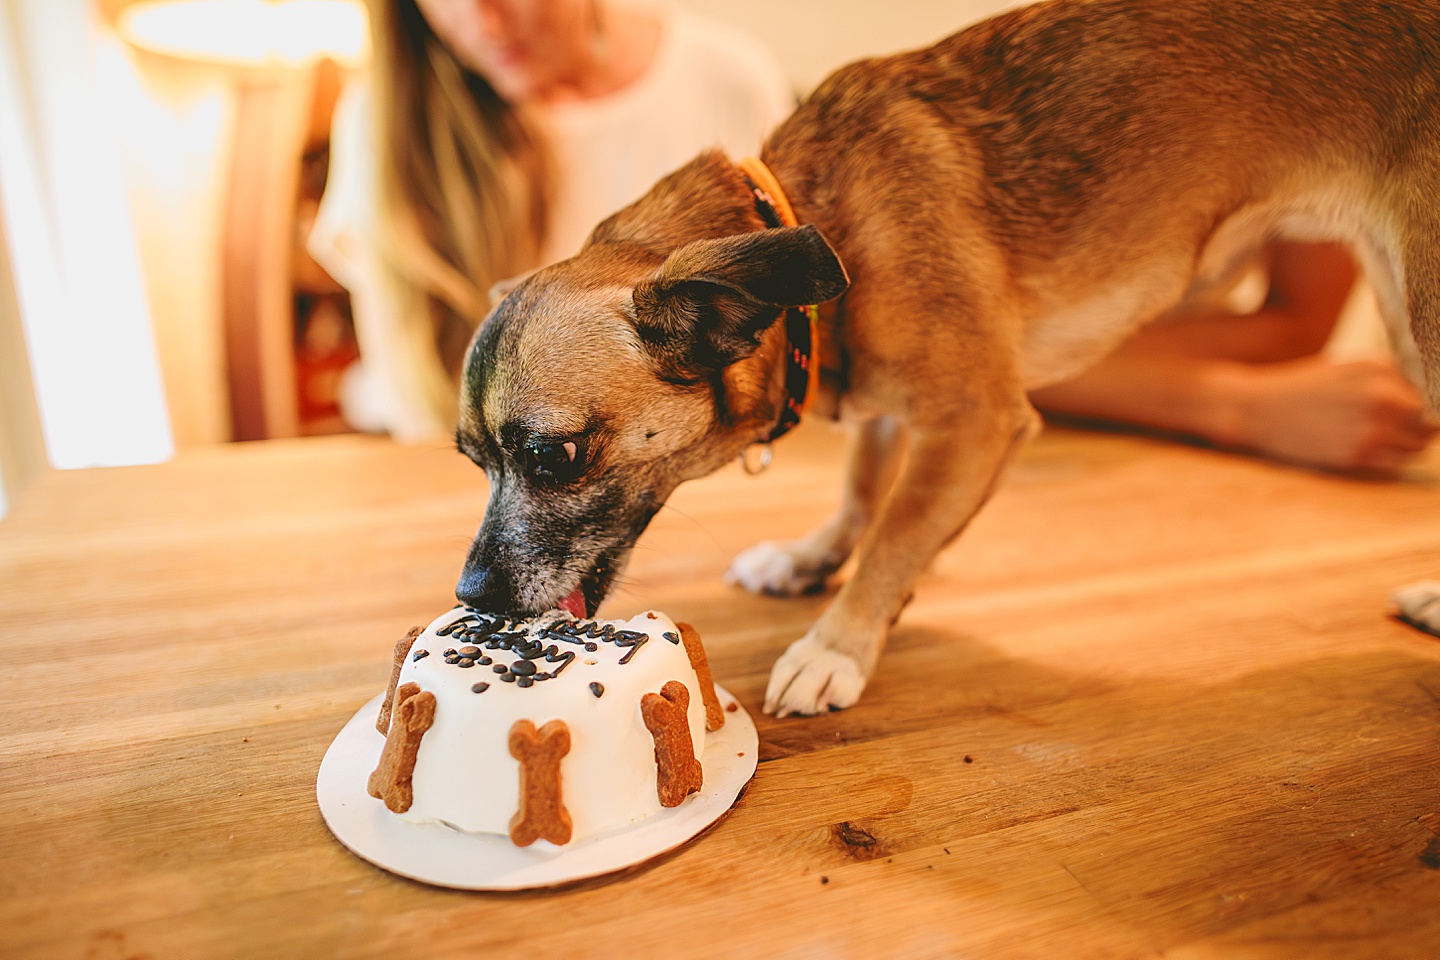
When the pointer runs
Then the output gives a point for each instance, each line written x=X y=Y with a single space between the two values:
x=542 y=813
x=391 y=781
x=402 y=650
x=695 y=650
x=677 y=773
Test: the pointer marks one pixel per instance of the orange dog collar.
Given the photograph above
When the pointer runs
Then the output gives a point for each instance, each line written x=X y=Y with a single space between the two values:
x=802 y=328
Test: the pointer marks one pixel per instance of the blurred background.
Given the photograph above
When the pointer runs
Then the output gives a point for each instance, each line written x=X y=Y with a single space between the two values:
x=161 y=162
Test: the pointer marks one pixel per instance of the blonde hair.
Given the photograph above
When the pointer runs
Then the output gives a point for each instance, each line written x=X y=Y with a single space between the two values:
x=464 y=179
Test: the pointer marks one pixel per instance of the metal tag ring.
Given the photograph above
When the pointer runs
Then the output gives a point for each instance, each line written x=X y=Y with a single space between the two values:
x=753 y=467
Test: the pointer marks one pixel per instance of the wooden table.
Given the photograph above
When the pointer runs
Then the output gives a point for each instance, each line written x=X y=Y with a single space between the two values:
x=1149 y=705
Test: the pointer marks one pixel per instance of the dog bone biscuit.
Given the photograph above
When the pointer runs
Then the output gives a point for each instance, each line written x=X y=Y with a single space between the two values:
x=542 y=813
x=402 y=650
x=391 y=781
x=677 y=773
x=695 y=650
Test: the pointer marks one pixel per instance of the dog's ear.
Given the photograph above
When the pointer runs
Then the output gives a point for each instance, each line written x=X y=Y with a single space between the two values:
x=710 y=301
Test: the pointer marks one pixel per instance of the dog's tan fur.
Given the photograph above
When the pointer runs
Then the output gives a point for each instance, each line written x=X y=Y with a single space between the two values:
x=1009 y=205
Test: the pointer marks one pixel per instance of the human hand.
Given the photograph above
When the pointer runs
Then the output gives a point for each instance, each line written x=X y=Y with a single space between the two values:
x=1359 y=416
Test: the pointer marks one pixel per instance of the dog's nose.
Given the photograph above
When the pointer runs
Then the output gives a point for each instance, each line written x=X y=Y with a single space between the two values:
x=482 y=588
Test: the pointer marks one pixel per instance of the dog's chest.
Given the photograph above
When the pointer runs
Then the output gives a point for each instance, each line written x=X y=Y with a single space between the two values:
x=1063 y=340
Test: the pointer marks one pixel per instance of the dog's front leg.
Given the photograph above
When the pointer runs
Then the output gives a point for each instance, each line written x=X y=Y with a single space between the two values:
x=795 y=567
x=948 y=475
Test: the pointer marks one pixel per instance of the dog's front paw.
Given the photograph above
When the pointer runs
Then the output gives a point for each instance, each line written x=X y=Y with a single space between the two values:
x=1419 y=605
x=775 y=569
x=811 y=678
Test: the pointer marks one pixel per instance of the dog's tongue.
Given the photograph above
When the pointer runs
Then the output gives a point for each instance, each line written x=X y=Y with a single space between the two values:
x=575 y=605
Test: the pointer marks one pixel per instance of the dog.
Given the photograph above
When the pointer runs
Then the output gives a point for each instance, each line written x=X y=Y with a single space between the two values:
x=982 y=217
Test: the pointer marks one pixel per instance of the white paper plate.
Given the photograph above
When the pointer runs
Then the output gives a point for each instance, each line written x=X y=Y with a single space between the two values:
x=434 y=853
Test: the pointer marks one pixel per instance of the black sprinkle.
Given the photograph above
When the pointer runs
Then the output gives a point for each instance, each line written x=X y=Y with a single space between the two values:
x=674 y=637
x=824 y=879
x=419 y=655
x=969 y=759
x=598 y=689
x=526 y=681
x=480 y=687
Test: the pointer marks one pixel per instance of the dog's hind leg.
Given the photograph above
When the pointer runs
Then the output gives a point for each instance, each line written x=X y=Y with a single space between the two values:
x=796 y=567
x=1419 y=277
x=950 y=471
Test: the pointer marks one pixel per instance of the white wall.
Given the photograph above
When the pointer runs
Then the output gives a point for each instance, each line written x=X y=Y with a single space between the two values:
x=813 y=37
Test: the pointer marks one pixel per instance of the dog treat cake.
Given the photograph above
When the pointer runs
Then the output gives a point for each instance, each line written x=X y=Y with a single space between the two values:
x=546 y=728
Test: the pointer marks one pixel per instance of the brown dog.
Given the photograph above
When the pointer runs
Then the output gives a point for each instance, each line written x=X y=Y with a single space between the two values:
x=1008 y=205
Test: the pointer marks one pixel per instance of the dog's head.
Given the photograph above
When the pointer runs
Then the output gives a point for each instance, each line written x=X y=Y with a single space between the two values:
x=601 y=383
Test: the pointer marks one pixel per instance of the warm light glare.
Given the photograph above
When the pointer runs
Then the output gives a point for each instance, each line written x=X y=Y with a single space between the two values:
x=251 y=32
x=77 y=272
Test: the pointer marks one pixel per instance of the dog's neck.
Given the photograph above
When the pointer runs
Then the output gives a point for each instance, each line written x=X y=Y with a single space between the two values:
x=801 y=349
x=711 y=198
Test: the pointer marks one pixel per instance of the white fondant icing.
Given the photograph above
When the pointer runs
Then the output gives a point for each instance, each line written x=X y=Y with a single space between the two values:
x=464 y=774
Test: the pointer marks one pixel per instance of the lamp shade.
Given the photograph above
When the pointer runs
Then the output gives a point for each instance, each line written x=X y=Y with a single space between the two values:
x=250 y=32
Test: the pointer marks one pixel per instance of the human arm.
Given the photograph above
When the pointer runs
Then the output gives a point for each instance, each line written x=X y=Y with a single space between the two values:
x=1257 y=382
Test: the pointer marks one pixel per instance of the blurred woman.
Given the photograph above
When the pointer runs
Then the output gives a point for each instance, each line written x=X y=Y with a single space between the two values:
x=491 y=136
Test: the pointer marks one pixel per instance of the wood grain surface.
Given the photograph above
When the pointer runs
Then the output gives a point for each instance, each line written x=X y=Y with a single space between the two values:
x=1148 y=706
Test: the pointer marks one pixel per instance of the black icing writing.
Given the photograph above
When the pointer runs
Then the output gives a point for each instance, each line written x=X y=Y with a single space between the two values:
x=478 y=634
x=636 y=641
x=475 y=625
x=562 y=658
x=584 y=632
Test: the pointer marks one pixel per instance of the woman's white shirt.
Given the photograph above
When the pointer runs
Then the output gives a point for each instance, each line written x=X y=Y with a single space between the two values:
x=710 y=85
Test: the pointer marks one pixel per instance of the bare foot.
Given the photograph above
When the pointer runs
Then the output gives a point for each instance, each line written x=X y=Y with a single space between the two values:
x=1358 y=416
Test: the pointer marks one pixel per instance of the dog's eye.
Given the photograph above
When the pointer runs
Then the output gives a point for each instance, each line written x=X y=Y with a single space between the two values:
x=557 y=460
